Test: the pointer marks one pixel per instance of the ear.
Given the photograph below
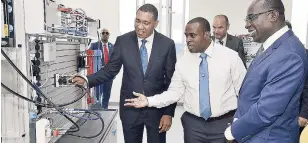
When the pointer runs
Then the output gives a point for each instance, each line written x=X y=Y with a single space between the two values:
x=228 y=25
x=207 y=35
x=156 y=23
x=274 y=16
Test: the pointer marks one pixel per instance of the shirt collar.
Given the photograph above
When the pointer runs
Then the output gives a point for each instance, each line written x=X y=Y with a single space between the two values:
x=209 y=50
x=149 y=39
x=224 y=40
x=269 y=41
x=107 y=43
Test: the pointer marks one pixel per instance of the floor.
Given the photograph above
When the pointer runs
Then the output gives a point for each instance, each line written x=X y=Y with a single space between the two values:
x=175 y=134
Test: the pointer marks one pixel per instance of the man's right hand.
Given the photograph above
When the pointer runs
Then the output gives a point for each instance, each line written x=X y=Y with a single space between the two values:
x=139 y=102
x=78 y=80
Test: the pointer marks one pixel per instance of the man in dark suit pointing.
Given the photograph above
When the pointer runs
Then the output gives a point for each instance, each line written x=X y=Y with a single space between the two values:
x=148 y=60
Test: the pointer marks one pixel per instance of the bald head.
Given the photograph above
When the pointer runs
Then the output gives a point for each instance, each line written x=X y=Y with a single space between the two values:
x=220 y=26
x=105 y=35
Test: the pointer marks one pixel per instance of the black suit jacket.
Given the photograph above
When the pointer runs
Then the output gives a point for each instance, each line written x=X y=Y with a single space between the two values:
x=156 y=80
x=304 y=99
x=236 y=44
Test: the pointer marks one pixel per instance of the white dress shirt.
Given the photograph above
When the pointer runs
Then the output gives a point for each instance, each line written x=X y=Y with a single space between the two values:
x=224 y=40
x=148 y=44
x=269 y=41
x=226 y=73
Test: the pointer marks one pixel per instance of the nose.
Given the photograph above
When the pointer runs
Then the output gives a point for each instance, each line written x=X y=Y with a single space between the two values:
x=188 y=40
x=248 y=24
x=140 y=26
x=215 y=30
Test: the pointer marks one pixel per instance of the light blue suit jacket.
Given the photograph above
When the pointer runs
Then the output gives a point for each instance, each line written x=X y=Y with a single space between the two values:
x=268 y=105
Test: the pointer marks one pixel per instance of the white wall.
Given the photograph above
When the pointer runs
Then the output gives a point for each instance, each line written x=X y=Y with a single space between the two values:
x=105 y=10
x=300 y=20
x=234 y=9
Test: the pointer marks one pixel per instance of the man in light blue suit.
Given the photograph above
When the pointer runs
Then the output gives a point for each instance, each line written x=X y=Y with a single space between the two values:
x=103 y=91
x=269 y=99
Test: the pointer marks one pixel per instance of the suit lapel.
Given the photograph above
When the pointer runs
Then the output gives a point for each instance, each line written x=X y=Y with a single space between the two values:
x=154 y=52
x=258 y=60
x=228 y=42
x=136 y=52
x=109 y=49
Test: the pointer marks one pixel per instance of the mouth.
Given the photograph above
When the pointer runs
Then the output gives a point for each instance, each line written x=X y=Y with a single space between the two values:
x=252 y=33
x=190 y=47
x=140 y=32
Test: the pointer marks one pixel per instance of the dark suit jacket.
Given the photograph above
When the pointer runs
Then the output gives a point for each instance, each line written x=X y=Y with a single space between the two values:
x=269 y=98
x=156 y=80
x=236 y=44
x=98 y=46
x=304 y=99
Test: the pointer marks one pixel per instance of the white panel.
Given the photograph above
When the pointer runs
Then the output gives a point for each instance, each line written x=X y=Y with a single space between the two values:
x=65 y=63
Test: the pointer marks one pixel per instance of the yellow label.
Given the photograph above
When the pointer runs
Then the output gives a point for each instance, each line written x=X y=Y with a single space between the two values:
x=6 y=30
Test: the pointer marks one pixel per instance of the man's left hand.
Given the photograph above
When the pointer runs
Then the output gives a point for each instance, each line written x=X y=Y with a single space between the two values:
x=165 y=123
x=302 y=122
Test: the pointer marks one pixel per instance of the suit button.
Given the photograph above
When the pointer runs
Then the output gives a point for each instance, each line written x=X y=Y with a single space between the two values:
x=144 y=80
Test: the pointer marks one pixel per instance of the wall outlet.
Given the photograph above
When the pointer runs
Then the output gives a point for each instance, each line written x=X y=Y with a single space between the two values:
x=63 y=80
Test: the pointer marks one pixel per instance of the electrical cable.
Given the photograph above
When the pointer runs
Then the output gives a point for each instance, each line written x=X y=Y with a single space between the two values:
x=80 y=117
x=60 y=111
x=42 y=104
x=93 y=136
x=20 y=96
x=86 y=111
x=39 y=91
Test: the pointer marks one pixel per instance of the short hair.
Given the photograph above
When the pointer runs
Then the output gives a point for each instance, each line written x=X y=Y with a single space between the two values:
x=289 y=24
x=202 y=21
x=275 y=5
x=151 y=9
x=225 y=17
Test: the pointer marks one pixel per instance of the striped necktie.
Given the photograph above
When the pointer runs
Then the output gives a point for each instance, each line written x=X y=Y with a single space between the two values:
x=144 y=55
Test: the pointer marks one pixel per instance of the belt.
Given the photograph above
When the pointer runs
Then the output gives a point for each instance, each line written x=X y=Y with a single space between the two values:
x=227 y=115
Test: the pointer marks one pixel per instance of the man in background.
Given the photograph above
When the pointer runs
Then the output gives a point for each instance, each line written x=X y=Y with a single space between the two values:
x=269 y=98
x=220 y=30
x=103 y=90
x=148 y=60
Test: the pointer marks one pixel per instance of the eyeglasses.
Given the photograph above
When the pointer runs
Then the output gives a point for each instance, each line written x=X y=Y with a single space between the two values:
x=252 y=17
x=105 y=33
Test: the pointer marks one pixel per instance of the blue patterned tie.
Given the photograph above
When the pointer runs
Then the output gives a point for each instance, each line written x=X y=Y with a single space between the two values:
x=204 y=94
x=144 y=55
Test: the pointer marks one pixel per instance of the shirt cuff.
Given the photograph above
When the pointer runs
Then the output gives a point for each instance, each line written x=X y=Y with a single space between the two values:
x=228 y=134
x=150 y=101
